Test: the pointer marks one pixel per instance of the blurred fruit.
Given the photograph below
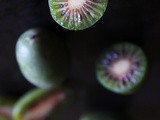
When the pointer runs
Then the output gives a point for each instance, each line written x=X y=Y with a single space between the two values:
x=42 y=58
x=6 y=107
x=42 y=104
x=122 y=68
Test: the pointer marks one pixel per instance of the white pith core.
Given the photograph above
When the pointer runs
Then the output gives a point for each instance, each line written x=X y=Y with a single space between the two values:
x=75 y=4
x=121 y=67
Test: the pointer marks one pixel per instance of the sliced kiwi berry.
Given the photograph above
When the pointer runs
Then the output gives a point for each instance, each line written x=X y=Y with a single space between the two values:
x=6 y=107
x=99 y=115
x=77 y=14
x=42 y=58
x=42 y=104
x=122 y=68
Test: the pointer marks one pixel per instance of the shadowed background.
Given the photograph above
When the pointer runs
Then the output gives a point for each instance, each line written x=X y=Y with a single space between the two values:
x=135 y=21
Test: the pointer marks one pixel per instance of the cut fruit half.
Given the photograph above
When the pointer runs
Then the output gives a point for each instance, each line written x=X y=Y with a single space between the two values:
x=122 y=68
x=77 y=14
x=41 y=104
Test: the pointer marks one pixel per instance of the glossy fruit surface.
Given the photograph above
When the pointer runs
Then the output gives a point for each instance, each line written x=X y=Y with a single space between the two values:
x=42 y=58
x=77 y=14
x=122 y=68
x=41 y=104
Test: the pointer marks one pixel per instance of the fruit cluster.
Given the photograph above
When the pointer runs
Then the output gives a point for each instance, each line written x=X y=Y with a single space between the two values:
x=44 y=61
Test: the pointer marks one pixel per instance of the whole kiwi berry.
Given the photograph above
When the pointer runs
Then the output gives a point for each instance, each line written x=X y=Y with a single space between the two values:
x=122 y=68
x=42 y=58
x=99 y=115
x=42 y=104
x=77 y=14
x=6 y=107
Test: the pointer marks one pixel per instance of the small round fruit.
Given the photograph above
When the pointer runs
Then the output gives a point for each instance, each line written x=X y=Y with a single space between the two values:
x=6 y=107
x=41 y=104
x=77 y=14
x=99 y=116
x=42 y=58
x=122 y=68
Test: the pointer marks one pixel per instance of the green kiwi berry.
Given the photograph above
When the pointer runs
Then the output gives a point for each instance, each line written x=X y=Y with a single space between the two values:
x=99 y=116
x=6 y=107
x=122 y=68
x=42 y=58
x=77 y=14
x=42 y=104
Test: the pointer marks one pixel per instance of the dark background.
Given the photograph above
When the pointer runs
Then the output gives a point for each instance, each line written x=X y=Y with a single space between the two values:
x=136 y=21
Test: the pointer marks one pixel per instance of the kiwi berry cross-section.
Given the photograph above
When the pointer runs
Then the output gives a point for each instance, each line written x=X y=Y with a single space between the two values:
x=77 y=14
x=42 y=104
x=6 y=107
x=122 y=68
x=42 y=58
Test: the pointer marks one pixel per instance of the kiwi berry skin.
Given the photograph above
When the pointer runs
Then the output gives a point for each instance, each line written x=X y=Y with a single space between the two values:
x=130 y=87
x=34 y=96
x=80 y=21
x=26 y=100
x=42 y=58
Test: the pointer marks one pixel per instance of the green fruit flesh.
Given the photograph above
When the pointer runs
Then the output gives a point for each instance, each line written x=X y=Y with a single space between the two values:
x=77 y=15
x=122 y=68
x=42 y=58
x=41 y=104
